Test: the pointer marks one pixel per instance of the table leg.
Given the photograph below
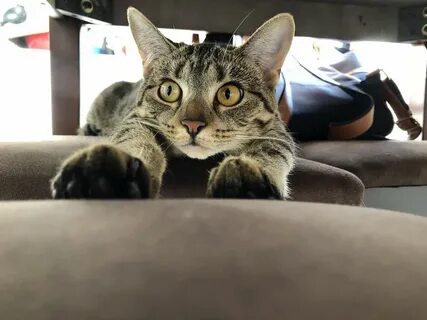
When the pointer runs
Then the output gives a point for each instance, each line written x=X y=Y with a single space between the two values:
x=65 y=74
x=425 y=108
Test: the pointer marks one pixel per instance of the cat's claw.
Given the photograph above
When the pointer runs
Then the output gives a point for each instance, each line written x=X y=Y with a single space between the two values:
x=101 y=172
x=241 y=178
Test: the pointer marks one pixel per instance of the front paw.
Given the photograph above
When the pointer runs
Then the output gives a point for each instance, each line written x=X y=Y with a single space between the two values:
x=101 y=171
x=241 y=178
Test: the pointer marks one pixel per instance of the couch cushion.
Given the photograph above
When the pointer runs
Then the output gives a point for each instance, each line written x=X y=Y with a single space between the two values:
x=207 y=259
x=376 y=163
x=310 y=181
x=316 y=182
x=27 y=167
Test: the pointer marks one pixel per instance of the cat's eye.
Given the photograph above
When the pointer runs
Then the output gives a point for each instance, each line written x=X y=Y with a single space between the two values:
x=169 y=91
x=229 y=95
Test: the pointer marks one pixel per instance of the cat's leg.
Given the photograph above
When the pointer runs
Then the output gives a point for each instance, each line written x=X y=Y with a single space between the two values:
x=131 y=166
x=260 y=171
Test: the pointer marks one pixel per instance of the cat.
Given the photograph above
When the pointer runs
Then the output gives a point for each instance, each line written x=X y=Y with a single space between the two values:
x=196 y=101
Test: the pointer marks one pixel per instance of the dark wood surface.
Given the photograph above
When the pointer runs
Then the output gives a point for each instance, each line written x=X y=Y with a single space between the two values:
x=400 y=3
x=313 y=19
x=65 y=73
x=425 y=110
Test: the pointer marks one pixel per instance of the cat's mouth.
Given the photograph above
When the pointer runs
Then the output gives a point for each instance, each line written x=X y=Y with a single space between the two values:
x=194 y=149
x=193 y=142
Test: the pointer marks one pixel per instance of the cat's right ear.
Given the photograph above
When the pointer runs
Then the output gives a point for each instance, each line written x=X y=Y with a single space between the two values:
x=150 y=42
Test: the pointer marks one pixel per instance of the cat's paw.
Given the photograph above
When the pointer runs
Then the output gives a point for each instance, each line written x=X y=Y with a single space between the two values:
x=101 y=172
x=241 y=178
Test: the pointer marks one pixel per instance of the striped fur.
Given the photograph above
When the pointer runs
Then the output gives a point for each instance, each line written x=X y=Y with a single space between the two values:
x=141 y=124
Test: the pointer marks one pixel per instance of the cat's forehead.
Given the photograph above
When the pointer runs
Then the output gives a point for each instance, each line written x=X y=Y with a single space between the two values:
x=205 y=64
x=203 y=51
x=201 y=63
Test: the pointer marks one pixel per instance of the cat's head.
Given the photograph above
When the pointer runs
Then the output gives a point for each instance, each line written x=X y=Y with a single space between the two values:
x=207 y=98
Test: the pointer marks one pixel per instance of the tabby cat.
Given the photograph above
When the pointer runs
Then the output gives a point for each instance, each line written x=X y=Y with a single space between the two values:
x=195 y=100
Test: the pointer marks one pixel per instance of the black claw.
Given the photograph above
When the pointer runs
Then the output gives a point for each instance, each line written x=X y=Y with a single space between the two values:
x=133 y=191
x=73 y=189
x=134 y=166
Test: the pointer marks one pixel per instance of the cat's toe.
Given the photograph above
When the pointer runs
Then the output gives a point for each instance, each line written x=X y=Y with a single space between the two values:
x=242 y=179
x=73 y=189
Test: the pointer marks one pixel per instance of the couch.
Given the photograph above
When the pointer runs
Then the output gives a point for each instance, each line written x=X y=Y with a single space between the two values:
x=27 y=167
x=351 y=173
x=210 y=259
x=215 y=259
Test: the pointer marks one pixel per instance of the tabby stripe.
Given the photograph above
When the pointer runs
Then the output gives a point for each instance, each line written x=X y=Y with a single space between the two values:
x=264 y=100
x=268 y=153
x=262 y=124
x=277 y=153
x=286 y=146
x=178 y=70
x=143 y=94
x=120 y=135
x=123 y=140
x=220 y=72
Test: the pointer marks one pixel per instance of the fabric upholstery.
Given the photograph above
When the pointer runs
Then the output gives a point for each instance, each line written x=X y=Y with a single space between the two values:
x=376 y=163
x=27 y=167
x=207 y=259
x=316 y=182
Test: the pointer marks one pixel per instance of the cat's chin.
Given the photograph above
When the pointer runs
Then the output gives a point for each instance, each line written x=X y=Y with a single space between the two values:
x=197 y=152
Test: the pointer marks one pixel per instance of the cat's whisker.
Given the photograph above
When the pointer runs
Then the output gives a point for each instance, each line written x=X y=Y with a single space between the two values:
x=242 y=137
x=158 y=130
x=170 y=144
x=156 y=134
x=234 y=32
x=236 y=57
x=152 y=125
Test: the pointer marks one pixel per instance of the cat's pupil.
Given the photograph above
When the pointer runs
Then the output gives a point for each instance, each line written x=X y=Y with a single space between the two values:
x=227 y=93
x=169 y=91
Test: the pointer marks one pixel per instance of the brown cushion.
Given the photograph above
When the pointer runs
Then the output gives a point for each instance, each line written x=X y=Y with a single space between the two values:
x=27 y=167
x=310 y=181
x=201 y=259
x=376 y=163
x=317 y=182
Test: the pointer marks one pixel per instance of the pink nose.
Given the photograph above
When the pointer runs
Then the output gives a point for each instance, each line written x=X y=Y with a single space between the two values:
x=193 y=126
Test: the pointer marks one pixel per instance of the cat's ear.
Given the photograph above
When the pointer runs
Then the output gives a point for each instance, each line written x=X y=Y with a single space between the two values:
x=270 y=44
x=150 y=42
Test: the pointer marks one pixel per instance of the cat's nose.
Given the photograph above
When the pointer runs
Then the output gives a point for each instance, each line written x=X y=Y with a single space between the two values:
x=193 y=126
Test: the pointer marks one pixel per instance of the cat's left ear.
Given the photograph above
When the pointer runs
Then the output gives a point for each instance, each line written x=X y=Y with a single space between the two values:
x=151 y=43
x=270 y=44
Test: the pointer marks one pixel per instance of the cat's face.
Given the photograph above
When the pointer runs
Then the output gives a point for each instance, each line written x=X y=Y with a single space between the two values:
x=207 y=99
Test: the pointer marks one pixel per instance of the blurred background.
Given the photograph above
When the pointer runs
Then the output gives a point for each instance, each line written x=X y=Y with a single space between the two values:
x=107 y=54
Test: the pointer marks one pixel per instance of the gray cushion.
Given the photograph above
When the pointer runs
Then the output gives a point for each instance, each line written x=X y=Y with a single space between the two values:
x=376 y=163
x=201 y=259
x=27 y=167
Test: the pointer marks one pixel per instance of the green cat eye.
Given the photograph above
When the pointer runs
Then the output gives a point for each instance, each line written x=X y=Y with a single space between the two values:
x=169 y=91
x=229 y=95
